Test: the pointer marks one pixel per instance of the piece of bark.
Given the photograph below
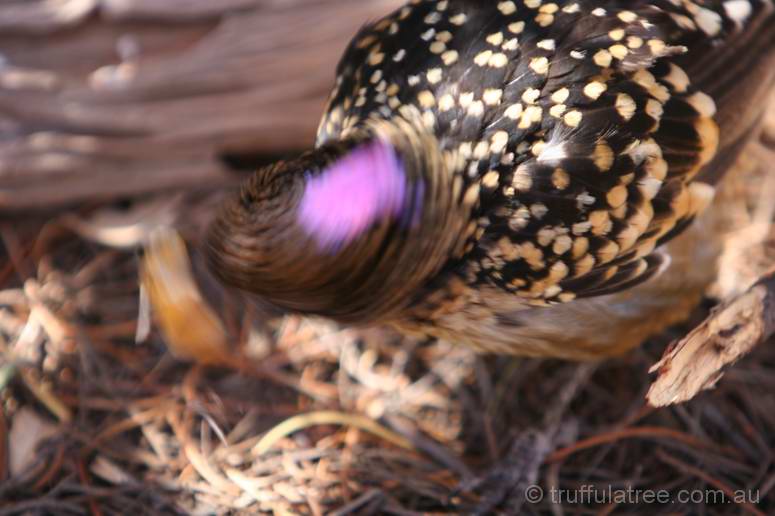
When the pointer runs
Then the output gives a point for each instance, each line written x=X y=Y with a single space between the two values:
x=697 y=361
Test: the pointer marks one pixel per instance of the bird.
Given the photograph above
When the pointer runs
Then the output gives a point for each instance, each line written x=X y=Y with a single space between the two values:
x=525 y=177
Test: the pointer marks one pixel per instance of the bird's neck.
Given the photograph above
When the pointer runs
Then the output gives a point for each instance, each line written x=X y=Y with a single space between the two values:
x=351 y=231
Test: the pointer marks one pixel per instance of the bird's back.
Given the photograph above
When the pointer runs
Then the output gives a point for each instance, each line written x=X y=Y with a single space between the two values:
x=586 y=133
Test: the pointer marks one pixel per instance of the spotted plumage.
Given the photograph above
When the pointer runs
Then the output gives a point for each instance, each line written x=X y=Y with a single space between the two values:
x=564 y=142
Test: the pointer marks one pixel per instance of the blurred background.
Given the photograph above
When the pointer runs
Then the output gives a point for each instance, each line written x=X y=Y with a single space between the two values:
x=128 y=97
x=118 y=117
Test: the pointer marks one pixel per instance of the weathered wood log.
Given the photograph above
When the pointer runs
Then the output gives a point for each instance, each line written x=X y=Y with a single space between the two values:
x=100 y=99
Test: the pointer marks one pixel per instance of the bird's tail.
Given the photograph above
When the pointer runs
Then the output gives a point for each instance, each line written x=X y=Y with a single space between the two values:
x=731 y=57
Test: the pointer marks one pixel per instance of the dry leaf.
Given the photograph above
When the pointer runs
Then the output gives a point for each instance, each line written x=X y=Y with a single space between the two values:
x=28 y=430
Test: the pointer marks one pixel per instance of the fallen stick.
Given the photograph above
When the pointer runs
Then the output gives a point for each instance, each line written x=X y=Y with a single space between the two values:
x=696 y=362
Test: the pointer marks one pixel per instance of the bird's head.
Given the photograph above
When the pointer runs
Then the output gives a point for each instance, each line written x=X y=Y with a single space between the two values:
x=351 y=231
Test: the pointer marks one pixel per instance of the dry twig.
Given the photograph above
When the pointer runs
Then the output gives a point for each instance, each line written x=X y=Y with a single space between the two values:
x=696 y=362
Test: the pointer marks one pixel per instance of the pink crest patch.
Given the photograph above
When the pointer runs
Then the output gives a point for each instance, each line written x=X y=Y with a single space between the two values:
x=341 y=203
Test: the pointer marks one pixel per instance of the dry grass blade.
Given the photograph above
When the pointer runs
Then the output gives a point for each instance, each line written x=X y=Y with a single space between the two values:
x=626 y=433
x=328 y=417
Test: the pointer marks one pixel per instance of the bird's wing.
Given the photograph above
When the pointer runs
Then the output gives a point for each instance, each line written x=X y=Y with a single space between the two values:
x=615 y=172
